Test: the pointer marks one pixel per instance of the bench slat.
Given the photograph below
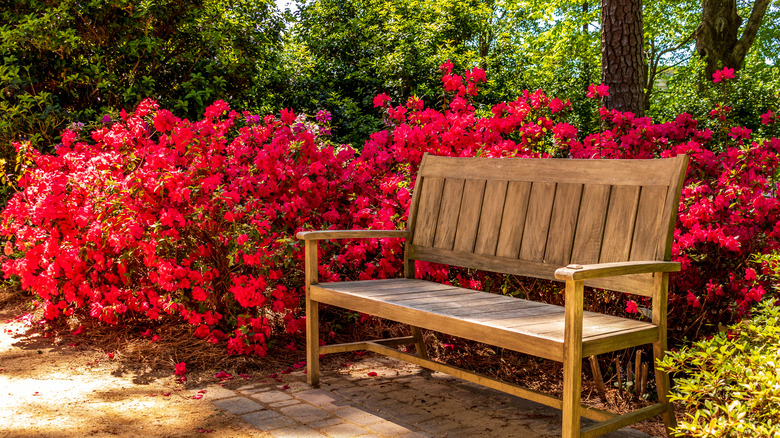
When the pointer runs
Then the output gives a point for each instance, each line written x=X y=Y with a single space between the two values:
x=490 y=217
x=430 y=202
x=537 y=223
x=609 y=172
x=513 y=219
x=590 y=224
x=565 y=213
x=648 y=232
x=468 y=220
x=619 y=228
x=448 y=213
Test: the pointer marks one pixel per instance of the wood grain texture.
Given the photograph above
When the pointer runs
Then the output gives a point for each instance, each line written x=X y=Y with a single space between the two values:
x=565 y=213
x=351 y=234
x=572 y=359
x=537 y=223
x=619 y=227
x=590 y=224
x=648 y=230
x=470 y=210
x=555 y=170
x=510 y=234
x=428 y=211
x=490 y=217
x=449 y=213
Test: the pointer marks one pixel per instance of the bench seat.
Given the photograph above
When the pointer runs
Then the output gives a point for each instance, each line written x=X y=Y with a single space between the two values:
x=520 y=325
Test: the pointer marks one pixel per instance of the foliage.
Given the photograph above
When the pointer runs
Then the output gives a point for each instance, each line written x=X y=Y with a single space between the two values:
x=71 y=61
x=154 y=214
x=730 y=382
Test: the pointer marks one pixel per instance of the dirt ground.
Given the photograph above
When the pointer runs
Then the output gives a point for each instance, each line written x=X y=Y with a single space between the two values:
x=60 y=388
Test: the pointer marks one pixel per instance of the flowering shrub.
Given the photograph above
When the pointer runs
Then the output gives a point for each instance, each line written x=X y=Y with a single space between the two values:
x=157 y=216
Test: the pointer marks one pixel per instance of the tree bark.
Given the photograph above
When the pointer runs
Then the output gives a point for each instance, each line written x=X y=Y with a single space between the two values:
x=717 y=38
x=622 y=66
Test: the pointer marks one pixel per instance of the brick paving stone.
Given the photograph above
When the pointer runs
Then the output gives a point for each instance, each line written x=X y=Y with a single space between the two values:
x=408 y=414
x=304 y=413
x=268 y=420
x=271 y=396
x=293 y=387
x=284 y=403
x=326 y=422
x=237 y=405
x=247 y=387
x=358 y=416
x=297 y=432
x=214 y=392
x=388 y=428
x=440 y=426
x=343 y=430
x=255 y=390
x=415 y=435
x=325 y=399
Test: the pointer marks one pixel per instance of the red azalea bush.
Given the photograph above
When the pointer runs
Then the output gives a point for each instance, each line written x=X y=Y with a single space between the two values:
x=157 y=215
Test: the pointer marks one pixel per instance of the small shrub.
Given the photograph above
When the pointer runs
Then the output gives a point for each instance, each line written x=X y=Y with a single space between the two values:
x=730 y=383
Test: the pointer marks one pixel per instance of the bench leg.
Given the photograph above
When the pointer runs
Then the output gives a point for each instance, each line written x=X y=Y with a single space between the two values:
x=312 y=342
x=572 y=385
x=418 y=342
x=662 y=386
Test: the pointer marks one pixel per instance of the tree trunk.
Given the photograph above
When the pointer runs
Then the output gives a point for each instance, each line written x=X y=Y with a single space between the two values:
x=622 y=66
x=717 y=39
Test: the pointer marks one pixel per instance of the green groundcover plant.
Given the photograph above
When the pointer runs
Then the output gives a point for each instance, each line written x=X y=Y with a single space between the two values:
x=732 y=379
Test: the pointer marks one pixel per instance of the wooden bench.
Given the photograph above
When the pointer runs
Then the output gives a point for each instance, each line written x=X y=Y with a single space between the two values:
x=602 y=223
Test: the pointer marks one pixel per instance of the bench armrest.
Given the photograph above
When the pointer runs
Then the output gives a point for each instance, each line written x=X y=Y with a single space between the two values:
x=351 y=234
x=599 y=270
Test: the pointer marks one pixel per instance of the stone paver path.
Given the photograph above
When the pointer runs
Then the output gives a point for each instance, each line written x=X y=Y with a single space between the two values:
x=382 y=397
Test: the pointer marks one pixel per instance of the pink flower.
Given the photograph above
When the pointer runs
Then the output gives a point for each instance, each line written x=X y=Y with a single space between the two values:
x=740 y=133
x=380 y=100
x=287 y=116
x=631 y=307
x=766 y=118
x=180 y=369
x=242 y=239
x=555 y=105
x=722 y=75
x=595 y=91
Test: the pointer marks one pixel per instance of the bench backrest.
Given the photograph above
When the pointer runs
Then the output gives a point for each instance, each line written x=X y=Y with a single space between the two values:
x=531 y=216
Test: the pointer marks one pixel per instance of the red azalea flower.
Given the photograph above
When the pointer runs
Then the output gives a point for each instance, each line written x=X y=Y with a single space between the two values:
x=722 y=75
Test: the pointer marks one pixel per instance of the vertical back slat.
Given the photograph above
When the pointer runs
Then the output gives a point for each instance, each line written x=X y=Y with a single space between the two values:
x=648 y=235
x=619 y=228
x=537 y=221
x=448 y=213
x=513 y=220
x=428 y=211
x=590 y=224
x=563 y=224
x=490 y=218
x=468 y=220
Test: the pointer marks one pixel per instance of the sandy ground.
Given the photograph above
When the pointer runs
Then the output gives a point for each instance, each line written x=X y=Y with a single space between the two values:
x=55 y=388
